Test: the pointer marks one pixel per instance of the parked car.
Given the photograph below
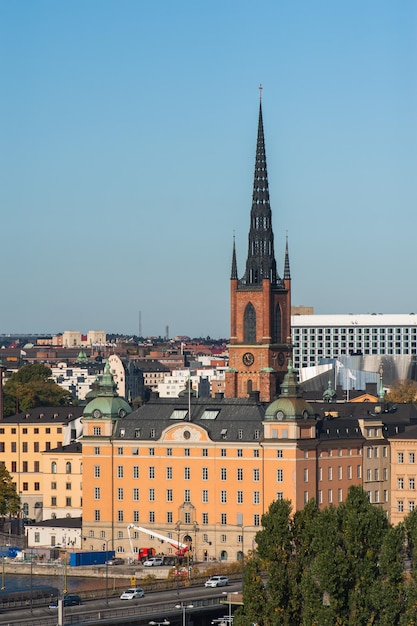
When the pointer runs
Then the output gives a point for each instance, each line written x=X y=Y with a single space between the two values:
x=115 y=561
x=132 y=593
x=153 y=561
x=217 y=581
x=70 y=599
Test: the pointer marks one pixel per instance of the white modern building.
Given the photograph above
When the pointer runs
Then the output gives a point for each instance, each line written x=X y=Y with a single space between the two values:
x=74 y=378
x=317 y=337
x=201 y=381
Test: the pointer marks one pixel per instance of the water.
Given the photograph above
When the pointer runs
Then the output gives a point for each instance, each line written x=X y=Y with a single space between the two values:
x=74 y=584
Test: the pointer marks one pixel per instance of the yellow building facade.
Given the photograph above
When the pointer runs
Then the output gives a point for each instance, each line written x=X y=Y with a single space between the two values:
x=23 y=439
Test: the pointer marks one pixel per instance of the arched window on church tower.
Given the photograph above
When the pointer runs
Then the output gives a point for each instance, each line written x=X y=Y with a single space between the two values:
x=277 y=325
x=249 y=387
x=249 y=324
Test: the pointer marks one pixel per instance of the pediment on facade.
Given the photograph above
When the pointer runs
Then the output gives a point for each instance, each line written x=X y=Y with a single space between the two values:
x=184 y=432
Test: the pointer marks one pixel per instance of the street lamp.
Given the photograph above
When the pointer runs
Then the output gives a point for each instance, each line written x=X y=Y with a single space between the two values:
x=106 y=545
x=31 y=581
x=164 y=623
x=178 y=529
x=229 y=601
x=184 y=607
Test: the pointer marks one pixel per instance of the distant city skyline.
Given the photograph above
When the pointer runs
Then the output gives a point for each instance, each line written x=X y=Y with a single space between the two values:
x=128 y=140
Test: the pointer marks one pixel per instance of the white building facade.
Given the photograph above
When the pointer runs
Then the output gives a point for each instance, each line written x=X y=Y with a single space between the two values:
x=315 y=337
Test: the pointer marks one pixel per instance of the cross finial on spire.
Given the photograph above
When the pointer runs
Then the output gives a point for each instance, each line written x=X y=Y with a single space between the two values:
x=260 y=92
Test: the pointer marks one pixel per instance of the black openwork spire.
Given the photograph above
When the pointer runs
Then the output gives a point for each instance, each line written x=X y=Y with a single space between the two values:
x=233 y=275
x=261 y=262
x=287 y=273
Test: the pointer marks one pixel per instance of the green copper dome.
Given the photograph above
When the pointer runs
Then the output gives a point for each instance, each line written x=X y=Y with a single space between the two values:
x=107 y=403
x=290 y=405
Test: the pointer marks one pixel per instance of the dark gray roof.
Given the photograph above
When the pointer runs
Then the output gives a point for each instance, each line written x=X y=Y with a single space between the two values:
x=73 y=447
x=234 y=414
x=151 y=366
x=409 y=432
x=342 y=428
x=61 y=522
x=57 y=414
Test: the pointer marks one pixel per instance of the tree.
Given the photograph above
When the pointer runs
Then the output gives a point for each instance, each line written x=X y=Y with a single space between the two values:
x=9 y=499
x=335 y=566
x=255 y=596
x=275 y=548
x=31 y=386
x=387 y=592
x=403 y=390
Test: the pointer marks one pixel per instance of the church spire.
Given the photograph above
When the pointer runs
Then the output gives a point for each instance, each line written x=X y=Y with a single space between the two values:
x=287 y=273
x=233 y=275
x=260 y=263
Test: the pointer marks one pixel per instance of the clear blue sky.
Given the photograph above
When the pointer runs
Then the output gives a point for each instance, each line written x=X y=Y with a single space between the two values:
x=127 y=147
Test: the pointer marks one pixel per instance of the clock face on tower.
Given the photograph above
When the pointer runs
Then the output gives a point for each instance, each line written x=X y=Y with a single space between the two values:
x=248 y=358
x=281 y=358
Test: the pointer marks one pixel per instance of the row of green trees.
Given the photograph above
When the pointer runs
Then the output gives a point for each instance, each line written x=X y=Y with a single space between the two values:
x=31 y=386
x=335 y=566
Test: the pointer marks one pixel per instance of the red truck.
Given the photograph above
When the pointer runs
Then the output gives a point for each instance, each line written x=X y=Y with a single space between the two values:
x=145 y=553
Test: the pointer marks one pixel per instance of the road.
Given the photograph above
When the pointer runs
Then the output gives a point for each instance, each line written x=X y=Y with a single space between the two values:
x=154 y=605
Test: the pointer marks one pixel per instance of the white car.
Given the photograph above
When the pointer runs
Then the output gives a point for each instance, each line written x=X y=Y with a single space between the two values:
x=132 y=593
x=154 y=561
x=217 y=581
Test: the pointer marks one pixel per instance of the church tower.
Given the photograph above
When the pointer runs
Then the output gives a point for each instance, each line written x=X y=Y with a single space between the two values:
x=260 y=301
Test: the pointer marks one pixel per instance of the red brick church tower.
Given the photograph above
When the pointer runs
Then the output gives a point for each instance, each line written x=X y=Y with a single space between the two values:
x=260 y=301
